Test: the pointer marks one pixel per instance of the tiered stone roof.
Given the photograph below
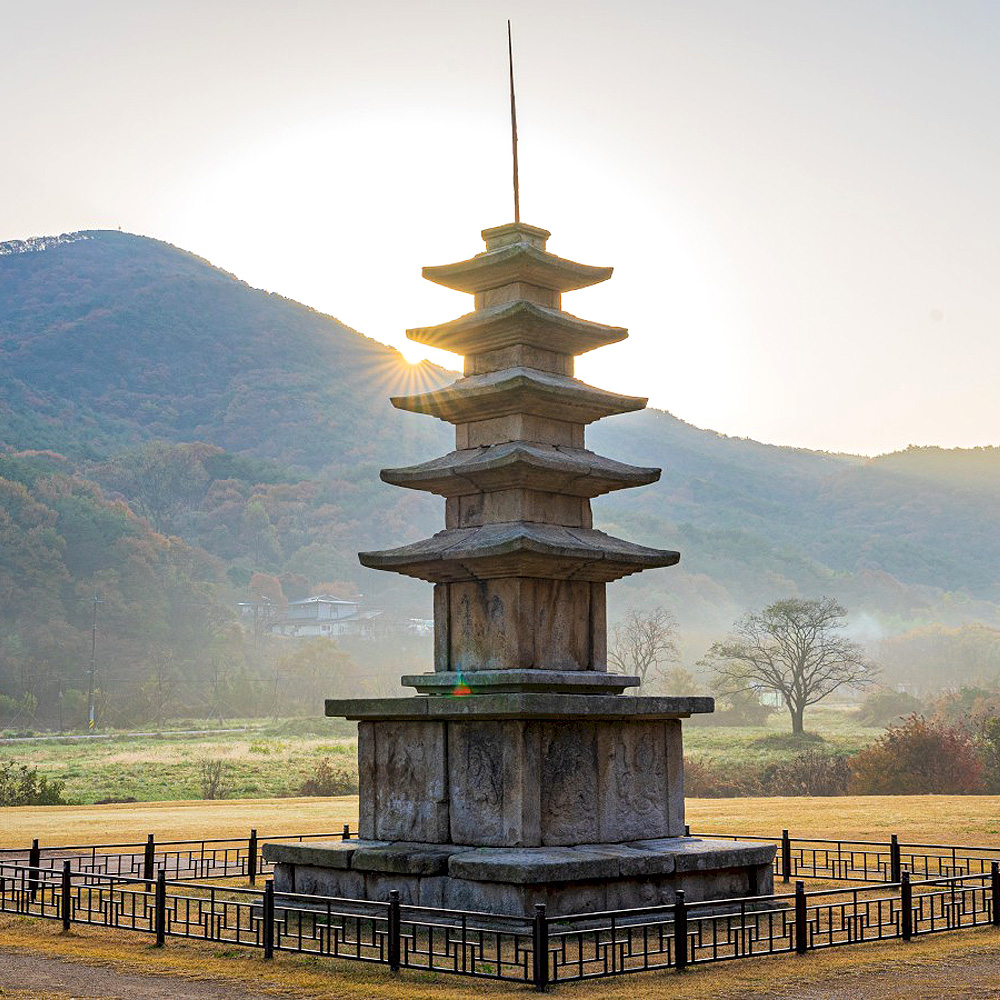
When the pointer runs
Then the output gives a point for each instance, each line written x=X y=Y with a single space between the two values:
x=519 y=552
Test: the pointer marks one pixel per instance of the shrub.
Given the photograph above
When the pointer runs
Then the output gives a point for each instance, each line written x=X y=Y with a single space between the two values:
x=704 y=779
x=21 y=785
x=809 y=773
x=789 y=741
x=884 y=708
x=989 y=748
x=214 y=775
x=329 y=780
x=919 y=757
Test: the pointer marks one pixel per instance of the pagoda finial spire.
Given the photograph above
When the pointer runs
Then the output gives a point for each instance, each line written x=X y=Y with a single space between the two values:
x=513 y=123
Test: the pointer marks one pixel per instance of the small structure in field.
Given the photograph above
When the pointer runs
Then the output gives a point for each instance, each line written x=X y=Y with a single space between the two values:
x=521 y=772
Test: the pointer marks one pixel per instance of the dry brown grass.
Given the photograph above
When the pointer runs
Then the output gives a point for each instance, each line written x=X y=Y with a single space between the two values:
x=947 y=819
x=192 y=820
x=938 y=819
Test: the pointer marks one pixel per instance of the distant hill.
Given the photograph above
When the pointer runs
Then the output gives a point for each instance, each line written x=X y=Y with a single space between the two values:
x=108 y=340
x=110 y=343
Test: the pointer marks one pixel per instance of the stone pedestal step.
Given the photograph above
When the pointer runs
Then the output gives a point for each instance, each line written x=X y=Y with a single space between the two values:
x=521 y=705
x=502 y=681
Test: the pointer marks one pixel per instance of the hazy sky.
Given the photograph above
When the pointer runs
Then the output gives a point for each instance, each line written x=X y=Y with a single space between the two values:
x=801 y=199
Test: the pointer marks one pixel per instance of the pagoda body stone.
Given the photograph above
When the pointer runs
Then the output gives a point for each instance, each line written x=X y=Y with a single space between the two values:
x=520 y=772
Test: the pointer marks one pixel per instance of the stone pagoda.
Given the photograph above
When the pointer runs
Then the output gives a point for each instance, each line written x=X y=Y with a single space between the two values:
x=520 y=772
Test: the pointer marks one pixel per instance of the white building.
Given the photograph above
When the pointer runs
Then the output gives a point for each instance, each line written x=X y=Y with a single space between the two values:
x=324 y=617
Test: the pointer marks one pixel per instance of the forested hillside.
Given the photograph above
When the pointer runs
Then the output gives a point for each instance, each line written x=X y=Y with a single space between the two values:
x=200 y=432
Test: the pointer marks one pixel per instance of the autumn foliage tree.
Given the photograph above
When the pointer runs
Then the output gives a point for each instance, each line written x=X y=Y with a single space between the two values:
x=919 y=757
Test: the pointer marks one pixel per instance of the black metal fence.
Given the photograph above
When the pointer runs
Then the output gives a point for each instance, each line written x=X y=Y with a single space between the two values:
x=232 y=857
x=221 y=858
x=869 y=861
x=541 y=951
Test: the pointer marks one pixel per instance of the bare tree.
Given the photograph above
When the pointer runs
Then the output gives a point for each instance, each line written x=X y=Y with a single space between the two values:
x=792 y=647
x=642 y=643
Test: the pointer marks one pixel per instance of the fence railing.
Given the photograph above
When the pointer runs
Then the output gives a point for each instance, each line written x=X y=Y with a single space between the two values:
x=233 y=857
x=868 y=861
x=221 y=858
x=540 y=951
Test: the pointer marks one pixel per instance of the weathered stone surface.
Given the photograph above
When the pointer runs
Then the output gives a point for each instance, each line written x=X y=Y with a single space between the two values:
x=403 y=858
x=519 y=549
x=515 y=323
x=527 y=427
x=584 y=879
x=517 y=504
x=675 y=777
x=632 y=778
x=518 y=356
x=324 y=853
x=694 y=854
x=526 y=705
x=533 y=866
x=568 y=781
x=518 y=291
x=366 y=779
x=574 y=471
x=518 y=624
x=493 y=769
x=519 y=391
x=315 y=880
x=483 y=681
x=518 y=262
x=410 y=786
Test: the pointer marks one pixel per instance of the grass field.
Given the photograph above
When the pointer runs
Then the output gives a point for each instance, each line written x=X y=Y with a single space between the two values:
x=263 y=760
x=268 y=759
x=834 y=725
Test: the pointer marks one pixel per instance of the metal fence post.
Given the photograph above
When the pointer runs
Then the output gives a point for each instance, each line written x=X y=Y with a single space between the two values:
x=346 y=835
x=394 y=931
x=540 y=948
x=268 y=918
x=252 y=857
x=34 y=862
x=786 y=856
x=895 y=865
x=995 y=892
x=906 y=902
x=160 y=908
x=147 y=861
x=680 y=932
x=801 y=930
x=67 y=891
x=687 y=829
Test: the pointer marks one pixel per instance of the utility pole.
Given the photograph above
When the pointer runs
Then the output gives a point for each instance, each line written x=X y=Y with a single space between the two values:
x=91 y=719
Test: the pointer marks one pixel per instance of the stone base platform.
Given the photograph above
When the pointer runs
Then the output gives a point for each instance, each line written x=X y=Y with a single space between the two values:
x=510 y=881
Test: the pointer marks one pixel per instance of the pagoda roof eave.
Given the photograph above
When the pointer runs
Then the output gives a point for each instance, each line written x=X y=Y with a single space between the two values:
x=516 y=262
x=519 y=549
x=521 y=464
x=519 y=390
x=516 y=323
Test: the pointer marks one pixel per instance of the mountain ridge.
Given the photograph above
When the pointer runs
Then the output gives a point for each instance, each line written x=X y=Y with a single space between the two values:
x=111 y=342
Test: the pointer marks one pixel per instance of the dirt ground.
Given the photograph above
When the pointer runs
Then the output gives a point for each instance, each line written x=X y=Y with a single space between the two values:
x=36 y=961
